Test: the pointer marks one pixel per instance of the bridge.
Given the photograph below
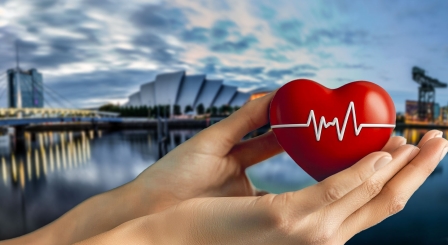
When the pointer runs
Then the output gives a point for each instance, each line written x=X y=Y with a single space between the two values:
x=64 y=117
x=26 y=88
x=53 y=112
x=23 y=118
x=45 y=120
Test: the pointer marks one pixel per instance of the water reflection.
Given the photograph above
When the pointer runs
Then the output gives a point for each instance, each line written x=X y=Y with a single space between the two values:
x=4 y=171
x=280 y=173
x=34 y=163
x=413 y=136
x=58 y=170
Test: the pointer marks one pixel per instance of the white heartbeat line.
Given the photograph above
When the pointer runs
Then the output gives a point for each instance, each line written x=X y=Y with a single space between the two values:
x=335 y=122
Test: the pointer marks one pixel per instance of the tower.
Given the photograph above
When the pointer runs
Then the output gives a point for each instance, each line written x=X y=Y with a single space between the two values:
x=25 y=87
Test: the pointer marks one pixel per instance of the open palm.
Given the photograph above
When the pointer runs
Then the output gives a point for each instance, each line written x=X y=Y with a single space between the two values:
x=213 y=163
x=199 y=192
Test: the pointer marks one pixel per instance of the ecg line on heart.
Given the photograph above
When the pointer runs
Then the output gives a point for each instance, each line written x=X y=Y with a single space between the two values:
x=335 y=122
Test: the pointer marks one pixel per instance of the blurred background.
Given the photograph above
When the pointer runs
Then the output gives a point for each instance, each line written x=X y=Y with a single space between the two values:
x=94 y=92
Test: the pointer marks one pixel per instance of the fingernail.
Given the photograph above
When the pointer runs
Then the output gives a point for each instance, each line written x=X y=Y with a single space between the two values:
x=443 y=153
x=414 y=153
x=439 y=134
x=382 y=162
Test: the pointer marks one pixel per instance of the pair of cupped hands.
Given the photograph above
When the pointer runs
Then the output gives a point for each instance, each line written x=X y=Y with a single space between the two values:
x=199 y=193
x=204 y=196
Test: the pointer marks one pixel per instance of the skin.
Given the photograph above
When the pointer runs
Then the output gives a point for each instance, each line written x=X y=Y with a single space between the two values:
x=199 y=194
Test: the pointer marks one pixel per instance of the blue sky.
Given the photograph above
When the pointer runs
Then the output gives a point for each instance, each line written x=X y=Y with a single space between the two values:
x=94 y=52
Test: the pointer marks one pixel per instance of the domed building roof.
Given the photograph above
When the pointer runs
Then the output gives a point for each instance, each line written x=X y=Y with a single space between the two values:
x=183 y=90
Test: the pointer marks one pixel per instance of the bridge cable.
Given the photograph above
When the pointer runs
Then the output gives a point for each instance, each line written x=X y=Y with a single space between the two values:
x=42 y=88
x=28 y=86
x=62 y=97
x=45 y=101
x=51 y=92
x=3 y=91
x=4 y=87
x=56 y=100
x=4 y=77
x=3 y=84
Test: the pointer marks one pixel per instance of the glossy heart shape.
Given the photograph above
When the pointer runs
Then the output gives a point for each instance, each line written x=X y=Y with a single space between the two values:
x=328 y=130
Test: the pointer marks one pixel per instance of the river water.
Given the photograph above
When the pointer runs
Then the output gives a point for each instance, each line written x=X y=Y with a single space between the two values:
x=61 y=169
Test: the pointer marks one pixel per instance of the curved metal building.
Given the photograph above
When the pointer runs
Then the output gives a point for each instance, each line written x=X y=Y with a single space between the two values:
x=240 y=99
x=209 y=92
x=134 y=99
x=177 y=88
x=147 y=94
x=167 y=86
x=224 y=96
x=189 y=91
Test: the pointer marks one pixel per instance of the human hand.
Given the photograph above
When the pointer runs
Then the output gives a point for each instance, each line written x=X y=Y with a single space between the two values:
x=212 y=163
x=330 y=212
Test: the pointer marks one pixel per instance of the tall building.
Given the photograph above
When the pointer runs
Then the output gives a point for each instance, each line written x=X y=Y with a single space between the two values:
x=183 y=90
x=31 y=88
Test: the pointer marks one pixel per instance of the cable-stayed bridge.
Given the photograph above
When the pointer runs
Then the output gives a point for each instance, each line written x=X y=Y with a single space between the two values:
x=57 y=111
x=60 y=115
x=56 y=105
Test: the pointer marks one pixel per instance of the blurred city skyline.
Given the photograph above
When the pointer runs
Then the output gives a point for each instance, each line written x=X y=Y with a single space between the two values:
x=95 y=52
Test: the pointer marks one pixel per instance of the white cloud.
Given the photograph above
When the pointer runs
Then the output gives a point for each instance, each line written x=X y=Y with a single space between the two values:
x=326 y=35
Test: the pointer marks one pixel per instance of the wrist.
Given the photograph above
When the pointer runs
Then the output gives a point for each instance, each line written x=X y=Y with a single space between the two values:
x=94 y=216
x=151 y=198
x=39 y=237
x=137 y=231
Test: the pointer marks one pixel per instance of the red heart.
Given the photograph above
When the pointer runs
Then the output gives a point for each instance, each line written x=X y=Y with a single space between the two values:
x=298 y=104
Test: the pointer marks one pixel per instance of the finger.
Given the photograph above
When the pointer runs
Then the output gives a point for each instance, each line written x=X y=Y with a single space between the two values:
x=232 y=129
x=255 y=150
x=338 y=185
x=261 y=192
x=398 y=190
x=429 y=135
x=394 y=143
x=357 y=198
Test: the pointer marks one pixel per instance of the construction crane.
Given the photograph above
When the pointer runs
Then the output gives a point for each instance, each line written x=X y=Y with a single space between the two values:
x=426 y=93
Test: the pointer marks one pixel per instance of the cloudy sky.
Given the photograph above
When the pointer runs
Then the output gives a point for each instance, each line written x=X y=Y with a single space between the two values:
x=94 y=52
